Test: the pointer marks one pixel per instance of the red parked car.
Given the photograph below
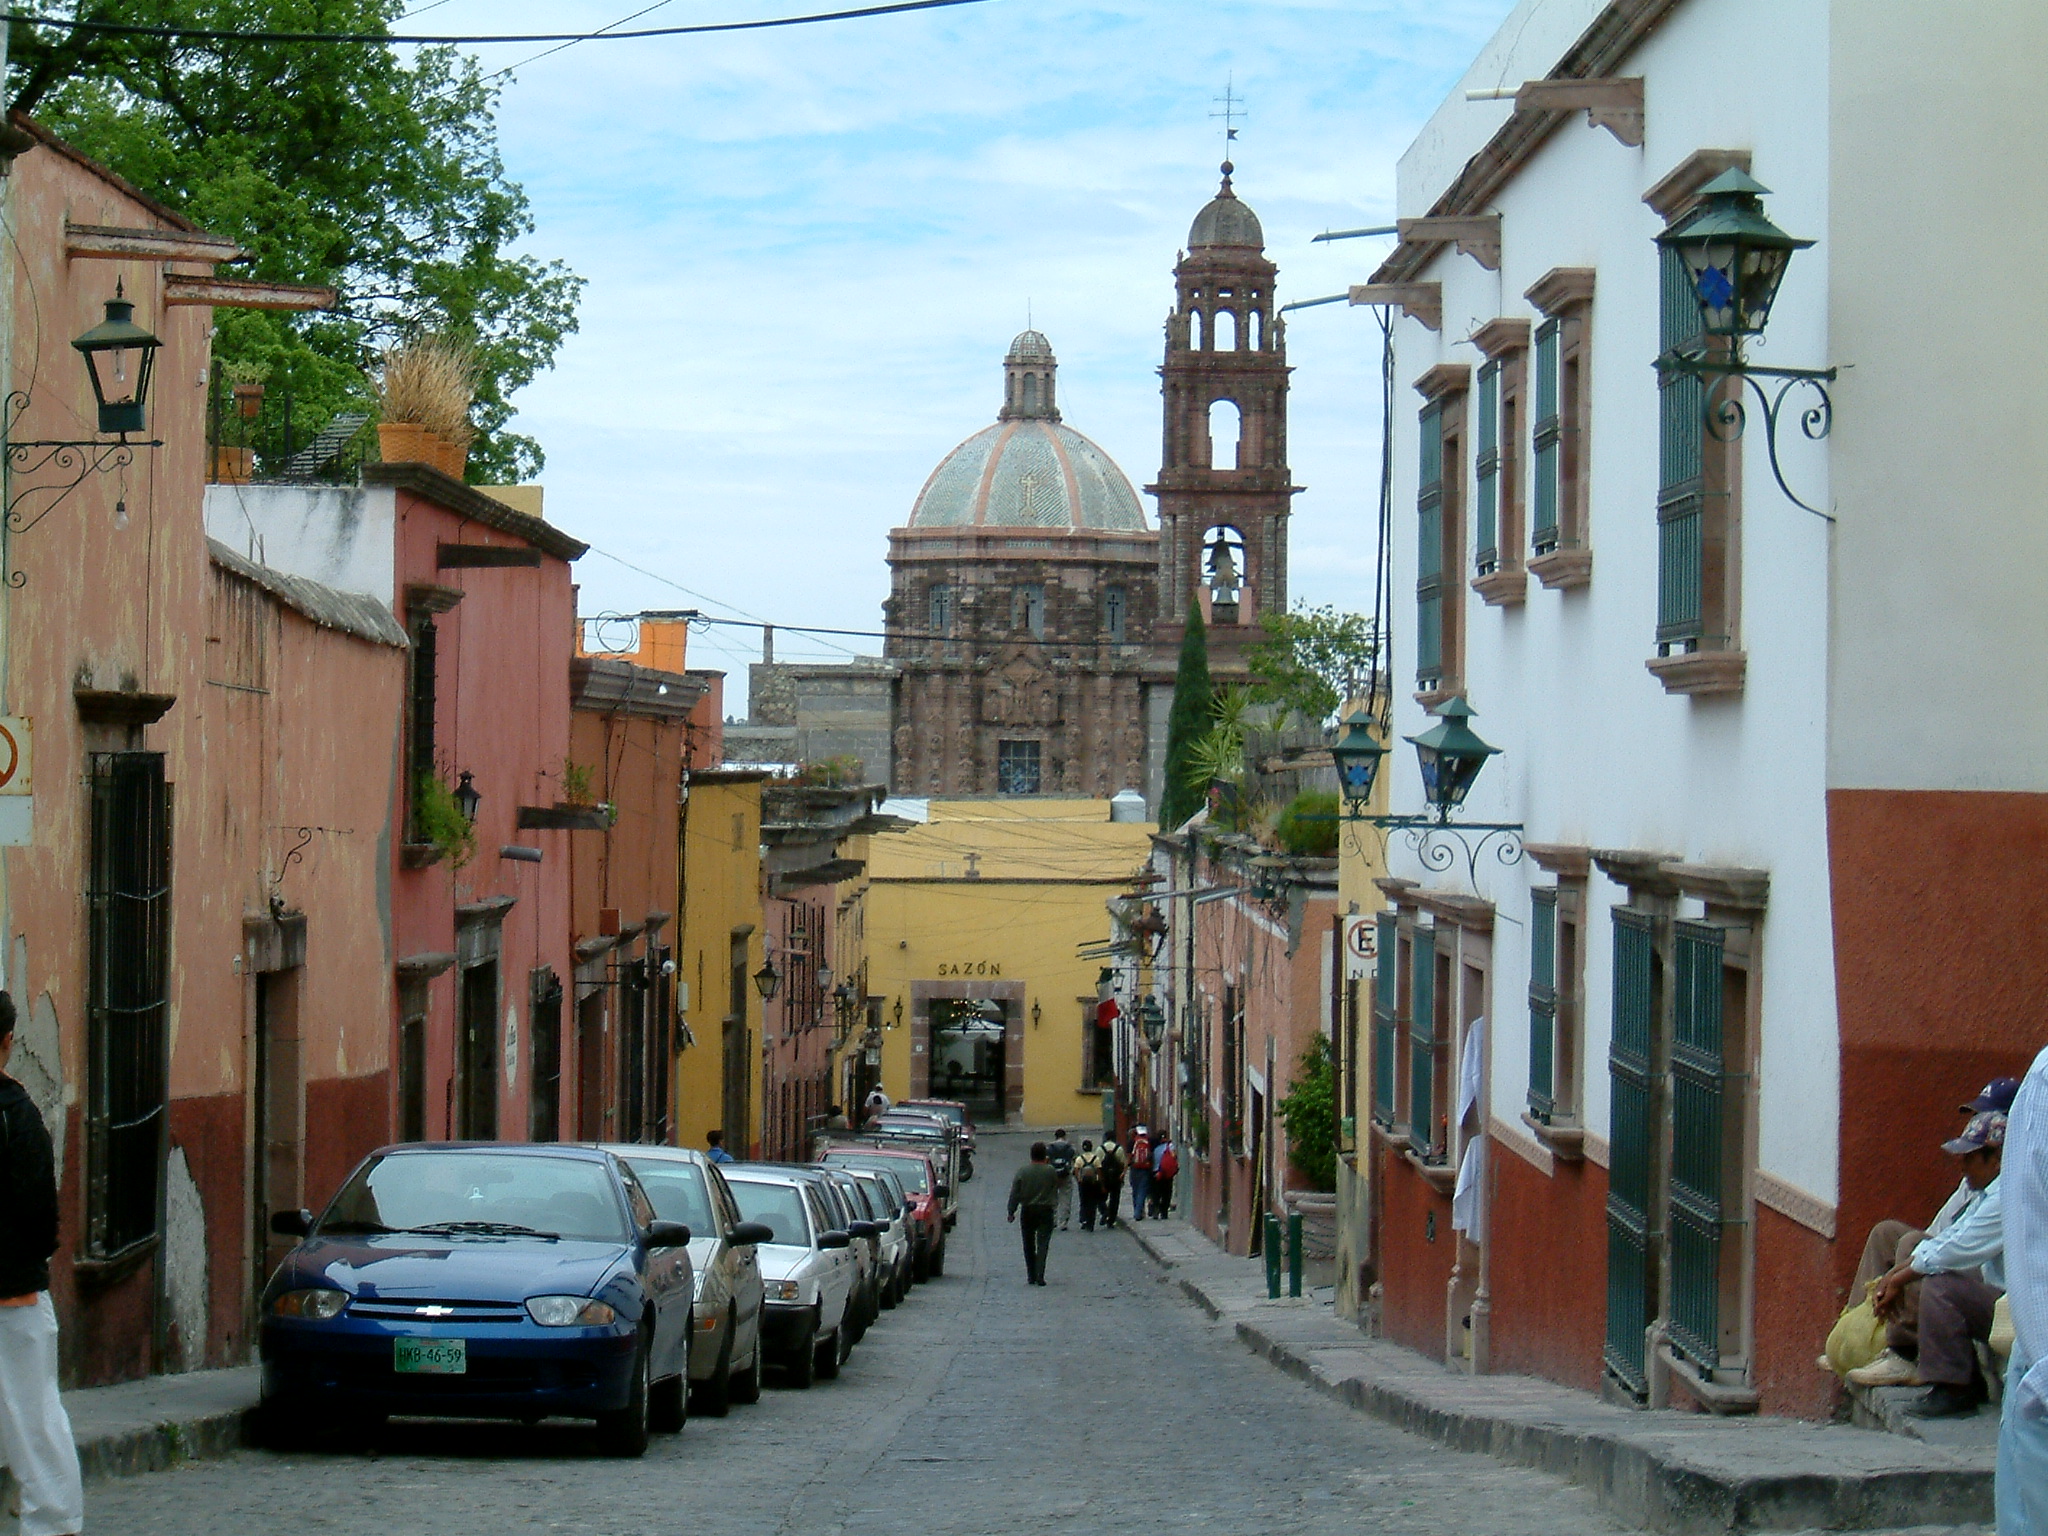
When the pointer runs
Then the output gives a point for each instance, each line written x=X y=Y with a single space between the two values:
x=928 y=1219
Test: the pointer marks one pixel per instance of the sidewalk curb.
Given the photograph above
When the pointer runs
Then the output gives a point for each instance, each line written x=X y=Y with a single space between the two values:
x=1681 y=1473
x=159 y=1422
x=155 y=1447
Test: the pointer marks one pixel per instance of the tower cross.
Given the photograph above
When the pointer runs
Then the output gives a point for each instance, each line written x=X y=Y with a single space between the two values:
x=1233 y=108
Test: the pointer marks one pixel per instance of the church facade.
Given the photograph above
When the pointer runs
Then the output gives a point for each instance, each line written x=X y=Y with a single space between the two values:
x=1035 y=617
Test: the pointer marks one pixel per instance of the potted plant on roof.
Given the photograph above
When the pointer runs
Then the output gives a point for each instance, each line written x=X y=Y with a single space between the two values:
x=426 y=390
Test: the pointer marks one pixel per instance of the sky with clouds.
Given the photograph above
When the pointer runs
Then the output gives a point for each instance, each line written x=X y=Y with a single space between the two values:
x=808 y=249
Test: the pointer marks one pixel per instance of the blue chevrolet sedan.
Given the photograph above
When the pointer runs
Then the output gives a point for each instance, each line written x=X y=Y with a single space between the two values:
x=482 y=1280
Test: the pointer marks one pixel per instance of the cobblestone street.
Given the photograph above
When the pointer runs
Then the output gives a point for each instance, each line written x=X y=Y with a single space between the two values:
x=1101 y=1403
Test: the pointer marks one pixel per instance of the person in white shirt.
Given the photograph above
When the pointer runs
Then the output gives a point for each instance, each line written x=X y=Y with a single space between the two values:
x=2022 y=1489
x=1962 y=1274
x=1891 y=1245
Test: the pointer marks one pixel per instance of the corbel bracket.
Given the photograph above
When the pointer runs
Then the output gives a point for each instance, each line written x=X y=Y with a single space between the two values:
x=1418 y=301
x=1476 y=235
x=1613 y=102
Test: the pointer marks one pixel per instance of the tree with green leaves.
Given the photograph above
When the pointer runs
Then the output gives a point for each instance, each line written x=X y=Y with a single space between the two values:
x=1312 y=661
x=1194 y=709
x=1309 y=1111
x=339 y=164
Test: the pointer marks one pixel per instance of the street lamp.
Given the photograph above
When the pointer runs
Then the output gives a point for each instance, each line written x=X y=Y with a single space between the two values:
x=120 y=357
x=466 y=797
x=767 y=979
x=1734 y=259
x=824 y=978
x=1451 y=756
x=1358 y=756
x=1734 y=256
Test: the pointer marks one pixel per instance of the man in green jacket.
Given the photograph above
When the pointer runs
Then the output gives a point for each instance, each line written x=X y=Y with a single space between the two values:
x=1035 y=1191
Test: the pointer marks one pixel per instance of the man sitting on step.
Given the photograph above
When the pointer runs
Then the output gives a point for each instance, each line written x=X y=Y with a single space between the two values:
x=1960 y=1274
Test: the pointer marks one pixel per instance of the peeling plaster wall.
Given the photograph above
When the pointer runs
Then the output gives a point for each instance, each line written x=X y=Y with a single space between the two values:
x=185 y=1268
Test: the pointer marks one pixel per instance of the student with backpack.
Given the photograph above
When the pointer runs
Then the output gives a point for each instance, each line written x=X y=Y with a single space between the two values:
x=1061 y=1156
x=1165 y=1164
x=1114 y=1165
x=1088 y=1179
x=1141 y=1172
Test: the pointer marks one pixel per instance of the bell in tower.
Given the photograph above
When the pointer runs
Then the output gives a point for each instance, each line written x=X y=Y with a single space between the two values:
x=1224 y=489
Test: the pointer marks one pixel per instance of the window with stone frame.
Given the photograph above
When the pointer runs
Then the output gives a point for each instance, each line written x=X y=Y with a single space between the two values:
x=1440 y=534
x=1027 y=609
x=1556 y=997
x=1499 y=575
x=939 y=608
x=1018 y=767
x=1116 y=606
x=1560 y=531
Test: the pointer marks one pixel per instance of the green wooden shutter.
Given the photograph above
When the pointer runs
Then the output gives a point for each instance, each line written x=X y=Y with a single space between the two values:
x=1544 y=486
x=1429 y=551
x=1385 y=995
x=1681 y=466
x=1543 y=1002
x=1631 y=1277
x=1698 y=1077
x=1422 y=1043
x=1486 y=506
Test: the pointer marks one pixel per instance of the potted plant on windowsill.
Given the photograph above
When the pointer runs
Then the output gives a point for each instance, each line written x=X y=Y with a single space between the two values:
x=440 y=830
x=426 y=390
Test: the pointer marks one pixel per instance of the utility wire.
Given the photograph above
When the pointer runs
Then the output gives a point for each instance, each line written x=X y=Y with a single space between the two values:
x=214 y=35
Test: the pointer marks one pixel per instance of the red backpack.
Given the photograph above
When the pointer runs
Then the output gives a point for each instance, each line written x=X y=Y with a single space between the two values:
x=1141 y=1153
x=1169 y=1163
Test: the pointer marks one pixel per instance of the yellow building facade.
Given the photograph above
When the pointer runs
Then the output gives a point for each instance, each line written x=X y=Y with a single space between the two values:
x=974 y=919
x=718 y=1072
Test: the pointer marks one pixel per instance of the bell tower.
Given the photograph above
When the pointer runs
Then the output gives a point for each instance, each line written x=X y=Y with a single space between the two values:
x=1224 y=489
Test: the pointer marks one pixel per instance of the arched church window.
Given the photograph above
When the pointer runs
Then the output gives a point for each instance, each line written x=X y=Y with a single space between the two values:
x=1226 y=330
x=1226 y=424
x=1258 y=330
x=1115 y=611
x=939 y=612
x=1030 y=392
x=1195 y=322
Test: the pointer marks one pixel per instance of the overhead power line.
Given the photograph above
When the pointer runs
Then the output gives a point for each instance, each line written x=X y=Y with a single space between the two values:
x=214 y=35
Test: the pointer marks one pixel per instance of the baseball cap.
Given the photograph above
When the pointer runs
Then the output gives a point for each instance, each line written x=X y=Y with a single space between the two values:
x=1997 y=1095
x=1986 y=1129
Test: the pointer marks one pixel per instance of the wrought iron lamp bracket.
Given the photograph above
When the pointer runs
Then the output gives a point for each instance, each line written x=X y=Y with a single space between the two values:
x=1727 y=418
x=77 y=459
x=1437 y=840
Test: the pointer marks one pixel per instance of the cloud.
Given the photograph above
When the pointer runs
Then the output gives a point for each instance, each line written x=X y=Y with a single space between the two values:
x=808 y=250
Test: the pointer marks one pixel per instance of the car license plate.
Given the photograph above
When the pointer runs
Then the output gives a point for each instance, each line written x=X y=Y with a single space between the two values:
x=430 y=1357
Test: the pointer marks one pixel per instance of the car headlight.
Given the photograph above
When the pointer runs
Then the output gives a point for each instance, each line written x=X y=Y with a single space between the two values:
x=782 y=1290
x=318 y=1303
x=569 y=1311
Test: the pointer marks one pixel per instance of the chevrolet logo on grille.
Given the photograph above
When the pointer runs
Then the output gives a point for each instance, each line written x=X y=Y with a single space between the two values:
x=435 y=1311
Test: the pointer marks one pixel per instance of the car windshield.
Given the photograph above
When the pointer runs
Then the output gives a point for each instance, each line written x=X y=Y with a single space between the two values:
x=482 y=1194
x=780 y=1206
x=909 y=1171
x=678 y=1192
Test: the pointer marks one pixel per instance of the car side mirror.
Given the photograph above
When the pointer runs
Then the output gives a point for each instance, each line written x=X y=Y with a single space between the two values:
x=751 y=1232
x=863 y=1228
x=667 y=1234
x=834 y=1239
x=291 y=1223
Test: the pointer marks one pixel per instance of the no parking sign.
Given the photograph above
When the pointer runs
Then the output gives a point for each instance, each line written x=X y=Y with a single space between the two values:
x=1361 y=946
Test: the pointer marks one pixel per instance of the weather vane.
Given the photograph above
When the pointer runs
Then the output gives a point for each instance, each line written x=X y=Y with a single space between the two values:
x=1233 y=109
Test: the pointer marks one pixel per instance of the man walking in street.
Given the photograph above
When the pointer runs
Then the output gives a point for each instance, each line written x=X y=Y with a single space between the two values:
x=1141 y=1172
x=1112 y=1180
x=35 y=1432
x=1165 y=1164
x=1088 y=1180
x=714 y=1147
x=1034 y=1191
x=1061 y=1156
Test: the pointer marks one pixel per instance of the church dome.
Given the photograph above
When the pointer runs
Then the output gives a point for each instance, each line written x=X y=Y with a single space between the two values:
x=1029 y=470
x=1225 y=220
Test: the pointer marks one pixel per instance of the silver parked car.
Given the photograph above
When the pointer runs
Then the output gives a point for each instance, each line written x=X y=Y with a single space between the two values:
x=887 y=1204
x=725 y=1343
x=807 y=1269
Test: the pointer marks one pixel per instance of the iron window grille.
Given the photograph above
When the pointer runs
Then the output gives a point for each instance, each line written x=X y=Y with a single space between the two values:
x=1631 y=1260
x=128 y=1002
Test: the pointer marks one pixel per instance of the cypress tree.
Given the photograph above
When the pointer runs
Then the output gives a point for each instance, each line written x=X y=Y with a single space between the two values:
x=1194 y=707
